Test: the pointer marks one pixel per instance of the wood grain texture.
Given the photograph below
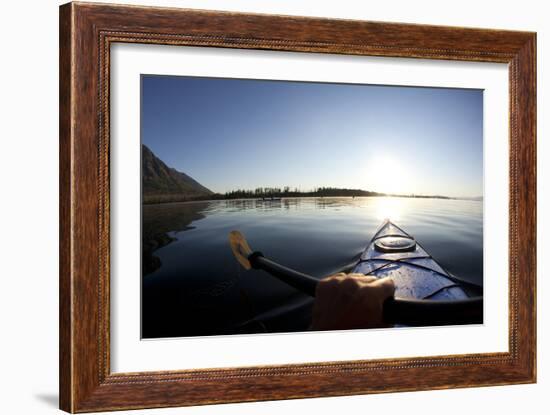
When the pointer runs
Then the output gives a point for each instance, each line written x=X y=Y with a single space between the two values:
x=86 y=33
x=65 y=247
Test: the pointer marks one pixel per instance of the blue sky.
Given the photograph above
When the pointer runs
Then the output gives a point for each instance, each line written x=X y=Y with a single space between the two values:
x=231 y=133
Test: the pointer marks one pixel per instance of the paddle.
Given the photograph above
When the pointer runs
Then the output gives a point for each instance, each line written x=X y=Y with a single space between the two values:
x=410 y=312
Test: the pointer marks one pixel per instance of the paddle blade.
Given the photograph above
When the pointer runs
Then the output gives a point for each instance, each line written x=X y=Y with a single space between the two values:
x=240 y=248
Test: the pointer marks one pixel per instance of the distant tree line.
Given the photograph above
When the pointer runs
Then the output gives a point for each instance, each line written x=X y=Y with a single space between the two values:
x=278 y=192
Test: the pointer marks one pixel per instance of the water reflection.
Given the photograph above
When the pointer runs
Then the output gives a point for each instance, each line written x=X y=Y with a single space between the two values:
x=389 y=208
x=199 y=288
x=386 y=207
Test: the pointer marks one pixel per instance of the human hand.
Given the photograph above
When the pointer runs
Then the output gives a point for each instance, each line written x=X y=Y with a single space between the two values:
x=350 y=301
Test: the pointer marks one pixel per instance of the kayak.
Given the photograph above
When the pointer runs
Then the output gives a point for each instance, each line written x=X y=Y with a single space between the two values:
x=391 y=253
x=394 y=253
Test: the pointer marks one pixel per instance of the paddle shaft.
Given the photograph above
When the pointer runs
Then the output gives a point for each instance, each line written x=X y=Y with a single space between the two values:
x=410 y=312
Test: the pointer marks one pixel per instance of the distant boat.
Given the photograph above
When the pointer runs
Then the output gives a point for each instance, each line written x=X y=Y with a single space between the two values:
x=269 y=199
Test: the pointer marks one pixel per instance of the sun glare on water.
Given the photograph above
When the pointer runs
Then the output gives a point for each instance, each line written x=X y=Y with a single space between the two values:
x=389 y=208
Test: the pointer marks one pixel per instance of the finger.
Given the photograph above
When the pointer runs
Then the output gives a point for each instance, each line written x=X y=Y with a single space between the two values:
x=328 y=284
x=366 y=278
x=386 y=286
x=348 y=289
x=338 y=274
x=334 y=277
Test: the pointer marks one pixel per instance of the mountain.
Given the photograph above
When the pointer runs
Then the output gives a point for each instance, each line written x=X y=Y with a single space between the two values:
x=161 y=183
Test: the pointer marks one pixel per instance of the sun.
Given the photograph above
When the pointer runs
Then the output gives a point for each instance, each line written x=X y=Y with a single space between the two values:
x=386 y=174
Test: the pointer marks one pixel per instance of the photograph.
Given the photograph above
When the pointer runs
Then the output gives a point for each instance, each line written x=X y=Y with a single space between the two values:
x=275 y=206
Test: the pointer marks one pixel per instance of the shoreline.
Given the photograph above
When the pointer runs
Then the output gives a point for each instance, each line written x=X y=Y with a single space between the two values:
x=278 y=199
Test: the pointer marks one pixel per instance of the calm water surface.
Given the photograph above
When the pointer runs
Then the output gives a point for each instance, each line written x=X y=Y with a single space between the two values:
x=200 y=289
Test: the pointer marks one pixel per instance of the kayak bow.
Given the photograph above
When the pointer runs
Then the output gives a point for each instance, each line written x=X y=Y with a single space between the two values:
x=394 y=253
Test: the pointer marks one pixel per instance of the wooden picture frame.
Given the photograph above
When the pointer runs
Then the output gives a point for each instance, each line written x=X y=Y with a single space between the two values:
x=86 y=33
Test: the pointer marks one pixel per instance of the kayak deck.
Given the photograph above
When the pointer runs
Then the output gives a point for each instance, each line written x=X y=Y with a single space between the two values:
x=414 y=272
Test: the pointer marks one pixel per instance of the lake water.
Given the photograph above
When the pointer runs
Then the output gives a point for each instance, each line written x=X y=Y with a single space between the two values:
x=200 y=289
